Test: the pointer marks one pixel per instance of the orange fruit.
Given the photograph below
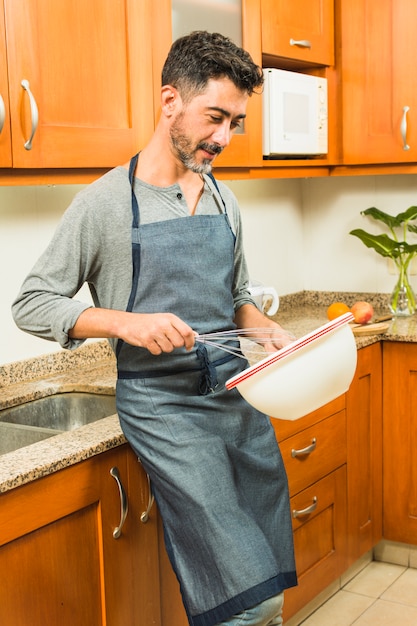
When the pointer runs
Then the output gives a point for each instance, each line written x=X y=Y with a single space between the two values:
x=336 y=310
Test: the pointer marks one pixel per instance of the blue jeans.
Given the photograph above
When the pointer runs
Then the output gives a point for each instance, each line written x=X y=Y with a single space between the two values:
x=267 y=613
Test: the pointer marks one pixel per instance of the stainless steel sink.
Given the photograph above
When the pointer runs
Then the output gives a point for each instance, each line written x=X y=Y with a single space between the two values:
x=36 y=420
x=64 y=411
x=15 y=436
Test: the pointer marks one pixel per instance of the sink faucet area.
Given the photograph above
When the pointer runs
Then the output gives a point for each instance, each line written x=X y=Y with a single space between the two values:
x=39 y=419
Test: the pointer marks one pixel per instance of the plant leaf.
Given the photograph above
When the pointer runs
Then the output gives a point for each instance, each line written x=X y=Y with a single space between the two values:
x=384 y=245
x=408 y=248
x=408 y=215
x=389 y=220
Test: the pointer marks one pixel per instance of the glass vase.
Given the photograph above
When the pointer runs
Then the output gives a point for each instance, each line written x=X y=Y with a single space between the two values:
x=403 y=300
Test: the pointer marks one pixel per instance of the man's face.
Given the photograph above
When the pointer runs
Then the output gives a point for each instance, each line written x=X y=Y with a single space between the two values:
x=204 y=126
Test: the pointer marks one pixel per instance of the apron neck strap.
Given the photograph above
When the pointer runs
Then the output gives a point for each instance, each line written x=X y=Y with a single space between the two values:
x=135 y=206
x=210 y=175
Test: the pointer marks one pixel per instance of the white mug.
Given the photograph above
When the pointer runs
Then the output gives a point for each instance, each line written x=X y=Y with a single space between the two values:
x=263 y=296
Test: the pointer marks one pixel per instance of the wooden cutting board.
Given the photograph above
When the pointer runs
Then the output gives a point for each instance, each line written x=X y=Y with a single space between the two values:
x=370 y=329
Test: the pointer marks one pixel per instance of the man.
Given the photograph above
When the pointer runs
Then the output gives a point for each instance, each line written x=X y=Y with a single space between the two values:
x=160 y=244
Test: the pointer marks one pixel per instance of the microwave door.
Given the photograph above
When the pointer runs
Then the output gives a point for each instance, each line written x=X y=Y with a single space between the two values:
x=293 y=115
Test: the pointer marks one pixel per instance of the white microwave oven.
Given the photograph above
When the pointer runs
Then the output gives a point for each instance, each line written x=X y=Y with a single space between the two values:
x=294 y=108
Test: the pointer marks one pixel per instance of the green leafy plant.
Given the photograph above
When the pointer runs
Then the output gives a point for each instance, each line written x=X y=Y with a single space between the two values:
x=396 y=247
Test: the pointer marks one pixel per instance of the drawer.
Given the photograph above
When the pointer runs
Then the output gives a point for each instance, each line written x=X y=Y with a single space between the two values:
x=319 y=526
x=315 y=452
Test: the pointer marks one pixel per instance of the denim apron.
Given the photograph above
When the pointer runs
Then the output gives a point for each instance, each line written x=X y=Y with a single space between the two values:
x=215 y=467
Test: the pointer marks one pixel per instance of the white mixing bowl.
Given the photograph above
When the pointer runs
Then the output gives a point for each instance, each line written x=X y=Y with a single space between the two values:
x=303 y=376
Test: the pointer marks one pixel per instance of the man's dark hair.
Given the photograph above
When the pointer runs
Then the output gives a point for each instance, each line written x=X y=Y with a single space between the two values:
x=196 y=58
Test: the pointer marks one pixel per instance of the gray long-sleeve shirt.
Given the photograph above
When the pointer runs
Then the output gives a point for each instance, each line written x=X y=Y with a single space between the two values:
x=92 y=244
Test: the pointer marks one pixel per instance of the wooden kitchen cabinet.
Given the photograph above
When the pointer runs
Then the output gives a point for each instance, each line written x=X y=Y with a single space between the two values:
x=319 y=538
x=89 y=69
x=299 y=30
x=94 y=71
x=314 y=454
x=400 y=442
x=364 y=454
x=59 y=560
x=245 y=149
x=377 y=48
x=5 y=141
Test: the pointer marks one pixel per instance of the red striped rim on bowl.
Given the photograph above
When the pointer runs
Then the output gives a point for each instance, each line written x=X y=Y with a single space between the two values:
x=290 y=349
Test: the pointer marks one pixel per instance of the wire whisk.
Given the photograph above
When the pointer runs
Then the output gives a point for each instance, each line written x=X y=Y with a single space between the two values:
x=259 y=336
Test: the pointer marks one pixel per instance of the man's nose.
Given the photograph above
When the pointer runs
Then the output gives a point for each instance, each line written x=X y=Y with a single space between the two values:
x=223 y=134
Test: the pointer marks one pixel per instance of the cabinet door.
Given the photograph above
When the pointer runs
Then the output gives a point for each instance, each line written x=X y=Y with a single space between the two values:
x=315 y=452
x=378 y=48
x=299 y=30
x=88 y=67
x=245 y=148
x=5 y=144
x=319 y=525
x=364 y=453
x=142 y=530
x=400 y=442
x=59 y=560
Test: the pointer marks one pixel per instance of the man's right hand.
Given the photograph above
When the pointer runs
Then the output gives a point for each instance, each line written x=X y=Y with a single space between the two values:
x=157 y=332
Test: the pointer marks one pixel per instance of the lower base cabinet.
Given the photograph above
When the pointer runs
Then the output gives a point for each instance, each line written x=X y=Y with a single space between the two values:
x=400 y=442
x=60 y=562
x=319 y=538
x=364 y=454
x=314 y=453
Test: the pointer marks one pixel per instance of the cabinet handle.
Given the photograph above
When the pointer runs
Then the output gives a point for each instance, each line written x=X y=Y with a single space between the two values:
x=123 y=502
x=304 y=451
x=302 y=43
x=34 y=114
x=2 y=114
x=145 y=515
x=404 y=128
x=307 y=511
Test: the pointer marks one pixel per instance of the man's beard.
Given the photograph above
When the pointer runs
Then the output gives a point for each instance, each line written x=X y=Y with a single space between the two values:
x=186 y=153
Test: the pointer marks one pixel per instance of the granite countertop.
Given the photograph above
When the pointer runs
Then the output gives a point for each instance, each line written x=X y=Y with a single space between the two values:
x=303 y=313
x=93 y=368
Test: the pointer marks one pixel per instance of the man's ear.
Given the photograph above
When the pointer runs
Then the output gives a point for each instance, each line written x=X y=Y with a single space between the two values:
x=170 y=99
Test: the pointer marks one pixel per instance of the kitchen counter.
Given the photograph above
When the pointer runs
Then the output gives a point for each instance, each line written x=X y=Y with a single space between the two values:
x=92 y=368
x=303 y=313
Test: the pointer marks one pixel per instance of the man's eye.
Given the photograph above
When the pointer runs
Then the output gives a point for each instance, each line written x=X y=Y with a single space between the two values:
x=235 y=125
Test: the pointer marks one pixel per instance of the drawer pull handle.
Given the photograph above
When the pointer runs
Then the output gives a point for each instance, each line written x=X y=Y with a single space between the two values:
x=123 y=502
x=306 y=511
x=302 y=43
x=34 y=114
x=404 y=128
x=2 y=114
x=145 y=515
x=304 y=451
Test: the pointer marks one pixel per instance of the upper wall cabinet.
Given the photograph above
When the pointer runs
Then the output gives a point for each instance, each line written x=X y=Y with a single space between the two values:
x=378 y=46
x=5 y=143
x=299 y=30
x=76 y=88
x=173 y=18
